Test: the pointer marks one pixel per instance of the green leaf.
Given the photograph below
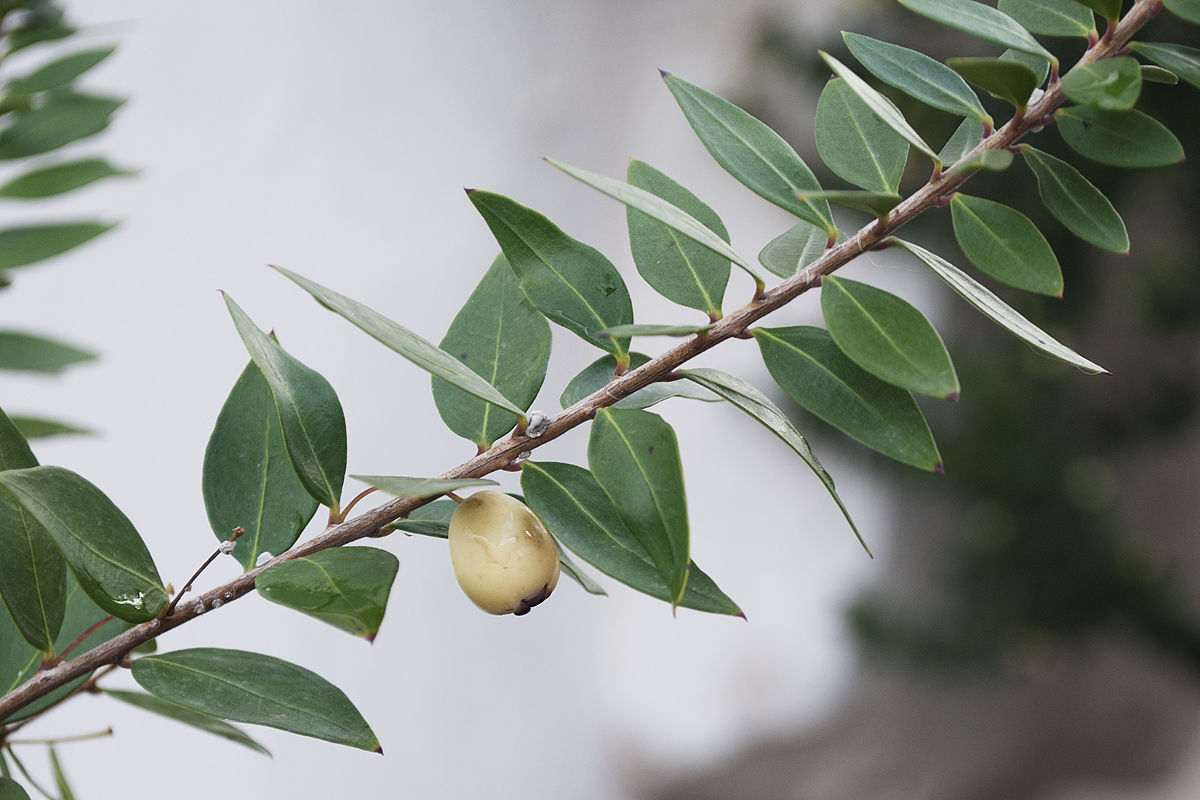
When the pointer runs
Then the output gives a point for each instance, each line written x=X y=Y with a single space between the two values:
x=887 y=337
x=59 y=72
x=855 y=143
x=794 y=249
x=877 y=203
x=65 y=119
x=989 y=160
x=314 y=427
x=571 y=283
x=654 y=330
x=635 y=458
x=883 y=108
x=599 y=373
x=99 y=543
x=1183 y=61
x=980 y=21
x=1109 y=9
x=29 y=244
x=38 y=428
x=1050 y=17
x=1003 y=243
x=813 y=371
x=917 y=75
x=1007 y=80
x=997 y=310
x=751 y=152
x=11 y=790
x=24 y=352
x=576 y=510
x=431 y=519
x=966 y=137
x=750 y=400
x=1118 y=138
x=432 y=359
x=1151 y=74
x=1110 y=84
x=501 y=337
x=33 y=575
x=662 y=211
x=256 y=689
x=572 y=571
x=1039 y=65
x=419 y=488
x=1076 y=203
x=681 y=270
x=1184 y=9
x=347 y=587
x=204 y=722
x=44 y=23
x=248 y=481
x=60 y=779
x=60 y=178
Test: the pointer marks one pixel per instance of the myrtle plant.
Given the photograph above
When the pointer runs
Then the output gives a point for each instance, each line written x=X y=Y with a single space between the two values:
x=82 y=592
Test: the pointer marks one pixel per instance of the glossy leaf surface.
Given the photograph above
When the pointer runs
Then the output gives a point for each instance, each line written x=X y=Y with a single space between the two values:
x=579 y=513
x=24 y=352
x=680 y=269
x=751 y=152
x=1110 y=84
x=654 y=330
x=204 y=722
x=1184 y=9
x=887 y=337
x=966 y=137
x=635 y=458
x=809 y=366
x=314 y=427
x=347 y=587
x=1119 y=138
x=65 y=119
x=59 y=72
x=1183 y=61
x=256 y=689
x=1050 y=17
x=980 y=21
x=432 y=359
x=987 y=160
x=419 y=488
x=501 y=337
x=571 y=283
x=599 y=373
x=855 y=143
x=99 y=543
x=1109 y=9
x=30 y=244
x=917 y=75
x=1008 y=80
x=1003 y=243
x=60 y=178
x=794 y=249
x=997 y=310
x=876 y=203
x=750 y=400
x=1039 y=65
x=247 y=480
x=1076 y=203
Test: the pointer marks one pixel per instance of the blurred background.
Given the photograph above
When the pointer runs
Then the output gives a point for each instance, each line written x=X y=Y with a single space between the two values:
x=1027 y=628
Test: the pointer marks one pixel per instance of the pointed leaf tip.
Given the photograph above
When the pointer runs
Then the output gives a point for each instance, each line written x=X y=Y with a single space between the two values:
x=468 y=191
x=379 y=750
x=663 y=73
x=953 y=397
x=940 y=469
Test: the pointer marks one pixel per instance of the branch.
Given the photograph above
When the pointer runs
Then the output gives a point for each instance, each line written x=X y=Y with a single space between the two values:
x=374 y=523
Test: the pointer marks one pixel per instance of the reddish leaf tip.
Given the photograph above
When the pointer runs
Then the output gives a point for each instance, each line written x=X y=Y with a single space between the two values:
x=468 y=191
x=664 y=74
x=370 y=637
x=940 y=469
x=379 y=750
x=742 y=614
x=952 y=397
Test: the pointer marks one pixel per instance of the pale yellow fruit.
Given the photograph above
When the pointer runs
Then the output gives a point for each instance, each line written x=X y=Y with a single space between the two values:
x=503 y=556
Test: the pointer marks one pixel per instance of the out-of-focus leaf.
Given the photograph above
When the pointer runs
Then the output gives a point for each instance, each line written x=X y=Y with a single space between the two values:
x=43 y=23
x=314 y=427
x=500 y=336
x=11 y=790
x=980 y=21
x=917 y=75
x=347 y=587
x=855 y=143
x=1110 y=84
x=654 y=330
x=877 y=203
x=634 y=457
x=67 y=118
x=1007 y=80
x=751 y=152
x=1183 y=61
x=256 y=689
x=596 y=376
x=571 y=283
x=1050 y=17
x=1076 y=203
x=60 y=178
x=966 y=137
x=794 y=249
x=809 y=366
x=989 y=160
x=1184 y=9
x=576 y=510
x=59 y=72
x=997 y=310
x=419 y=488
x=29 y=244
x=204 y=722
x=1152 y=74
x=25 y=352
x=38 y=428
x=1002 y=242
x=100 y=544
x=60 y=778
x=1119 y=138
x=248 y=481
x=887 y=337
